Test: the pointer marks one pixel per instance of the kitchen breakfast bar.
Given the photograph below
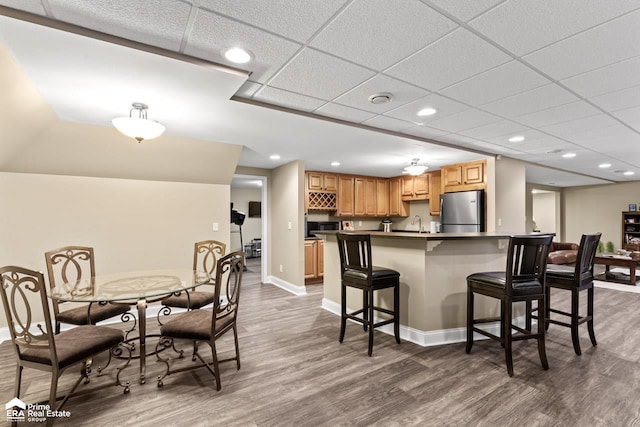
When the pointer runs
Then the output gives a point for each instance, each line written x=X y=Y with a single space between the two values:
x=433 y=287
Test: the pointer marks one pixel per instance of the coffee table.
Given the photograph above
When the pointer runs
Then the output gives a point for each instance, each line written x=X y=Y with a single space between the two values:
x=619 y=261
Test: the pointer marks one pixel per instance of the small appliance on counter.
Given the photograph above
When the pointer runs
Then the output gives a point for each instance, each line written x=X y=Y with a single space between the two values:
x=320 y=226
x=386 y=225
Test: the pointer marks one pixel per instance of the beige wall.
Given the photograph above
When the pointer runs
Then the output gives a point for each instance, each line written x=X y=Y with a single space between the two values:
x=286 y=201
x=132 y=224
x=544 y=211
x=598 y=208
x=510 y=193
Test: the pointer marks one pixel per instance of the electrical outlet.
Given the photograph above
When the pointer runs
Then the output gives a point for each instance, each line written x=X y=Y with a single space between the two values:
x=289 y=225
x=281 y=268
x=216 y=227
x=359 y=223
x=499 y=222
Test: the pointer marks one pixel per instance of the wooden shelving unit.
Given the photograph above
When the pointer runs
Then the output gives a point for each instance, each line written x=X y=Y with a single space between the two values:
x=631 y=231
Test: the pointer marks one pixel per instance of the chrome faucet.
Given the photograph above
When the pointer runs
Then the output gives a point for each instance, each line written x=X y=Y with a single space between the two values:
x=413 y=221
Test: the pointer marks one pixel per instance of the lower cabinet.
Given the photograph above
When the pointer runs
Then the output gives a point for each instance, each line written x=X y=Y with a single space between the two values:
x=313 y=260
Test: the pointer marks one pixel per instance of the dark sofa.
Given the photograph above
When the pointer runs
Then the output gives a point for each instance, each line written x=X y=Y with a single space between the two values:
x=562 y=253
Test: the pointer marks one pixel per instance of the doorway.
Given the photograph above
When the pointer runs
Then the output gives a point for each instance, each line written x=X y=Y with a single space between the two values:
x=546 y=211
x=249 y=196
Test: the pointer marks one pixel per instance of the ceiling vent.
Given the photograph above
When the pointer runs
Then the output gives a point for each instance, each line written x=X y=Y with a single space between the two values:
x=380 y=98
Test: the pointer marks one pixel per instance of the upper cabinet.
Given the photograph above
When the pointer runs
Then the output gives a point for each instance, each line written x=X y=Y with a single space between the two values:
x=320 y=181
x=464 y=176
x=434 y=194
x=397 y=207
x=415 y=187
x=320 y=191
x=346 y=202
x=382 y=197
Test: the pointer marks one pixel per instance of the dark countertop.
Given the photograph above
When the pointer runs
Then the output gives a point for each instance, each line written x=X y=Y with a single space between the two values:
x=431 y=236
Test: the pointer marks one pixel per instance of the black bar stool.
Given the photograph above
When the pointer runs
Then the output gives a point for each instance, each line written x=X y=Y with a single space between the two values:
x=357 y=271
x=522 y=281
x=575 y=280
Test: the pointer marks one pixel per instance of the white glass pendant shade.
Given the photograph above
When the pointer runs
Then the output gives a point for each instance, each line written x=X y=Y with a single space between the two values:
x=138 y=127
x=415 y=168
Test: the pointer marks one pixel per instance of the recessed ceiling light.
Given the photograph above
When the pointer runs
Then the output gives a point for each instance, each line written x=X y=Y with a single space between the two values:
x=427 y=112
x=629 y=173
x=517 y=138
x=569 y=155
x=238 y=55
x=335 y=164
x=380 y=98
x=275 y=157
x=604 y=165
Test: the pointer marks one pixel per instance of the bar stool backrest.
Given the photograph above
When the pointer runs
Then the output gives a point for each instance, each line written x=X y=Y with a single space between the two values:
x=355 y=256
x=527 y=261
x=586 y=254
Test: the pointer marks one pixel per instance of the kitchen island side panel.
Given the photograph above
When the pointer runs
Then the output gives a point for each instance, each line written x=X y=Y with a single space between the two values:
x=432 y=278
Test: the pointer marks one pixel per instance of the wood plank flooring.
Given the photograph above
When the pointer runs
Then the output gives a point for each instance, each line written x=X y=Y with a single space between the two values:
x=295 y=373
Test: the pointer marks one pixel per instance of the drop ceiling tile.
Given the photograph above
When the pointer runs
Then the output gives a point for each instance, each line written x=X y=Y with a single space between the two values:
x=606 y=44
x=614 y=77
x=435 y=67
x=289 y=18
x=272 y=95
x=378 y=33
x=320 y=75
x=32 y=6
x=401 y=93
x=562 y=113
x=211 y=34
x=464 y=10
x=522 y=26
x=149 y=22
x=503 y=81
x=464 y=120
x=388 y=123
x=342 y=112
x=424 y=132
x=248 y=89
x=630 y=116
x=493 y=148
x=570 y=129
x=618 y=100
x=505 y=128
x=538 y=143
x=537 y=99
x=456 y=139
x=444 y=107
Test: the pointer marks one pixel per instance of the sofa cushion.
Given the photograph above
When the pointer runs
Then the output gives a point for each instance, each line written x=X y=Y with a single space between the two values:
x=562 y=253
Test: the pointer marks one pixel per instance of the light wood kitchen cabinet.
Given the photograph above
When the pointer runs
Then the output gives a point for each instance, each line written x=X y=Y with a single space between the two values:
x=397 y=207
x=319 y=181
x=346 y=202
x=434 y=194
x=382 y=197
x=365 y=197
x=415 y=187
x=464 y=176
x=313 y=260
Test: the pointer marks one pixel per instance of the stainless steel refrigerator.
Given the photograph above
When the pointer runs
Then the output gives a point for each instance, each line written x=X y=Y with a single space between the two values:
x=461 y=212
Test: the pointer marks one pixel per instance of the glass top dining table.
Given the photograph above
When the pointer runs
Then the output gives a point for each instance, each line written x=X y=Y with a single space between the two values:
x=136 y=287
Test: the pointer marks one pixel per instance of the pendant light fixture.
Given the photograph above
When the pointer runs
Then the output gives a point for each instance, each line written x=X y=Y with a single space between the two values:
x=415 y=168
x=137 y=125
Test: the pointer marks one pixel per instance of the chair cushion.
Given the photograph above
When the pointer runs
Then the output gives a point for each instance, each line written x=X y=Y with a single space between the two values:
x=98 y=313
x=193 y=325
x=196 y=299
x=378 y=273
x=76 y=344
x=497 y=279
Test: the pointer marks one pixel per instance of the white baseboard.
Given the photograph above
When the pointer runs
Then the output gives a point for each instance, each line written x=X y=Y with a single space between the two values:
x=429 y=338
x=289 y=287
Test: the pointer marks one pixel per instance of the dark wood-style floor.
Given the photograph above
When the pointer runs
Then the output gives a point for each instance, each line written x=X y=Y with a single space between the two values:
x=294 y=372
